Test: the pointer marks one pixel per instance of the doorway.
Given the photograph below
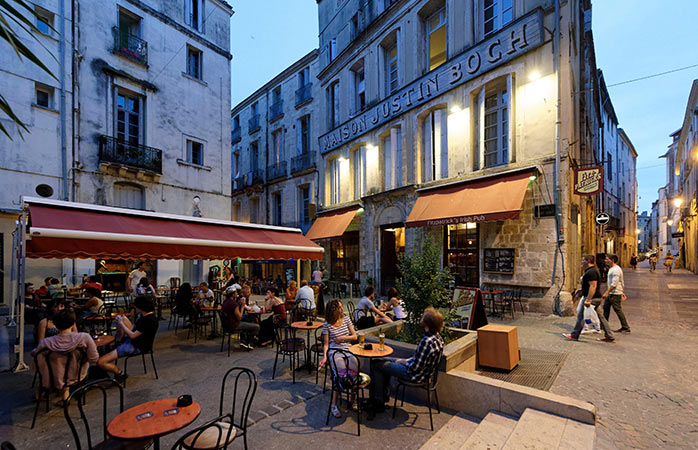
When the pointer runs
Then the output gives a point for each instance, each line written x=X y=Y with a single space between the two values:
x=392 y=247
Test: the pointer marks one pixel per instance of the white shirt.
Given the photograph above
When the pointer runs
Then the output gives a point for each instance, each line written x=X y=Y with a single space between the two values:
x=399 y=311
x=206 y=298
x=305 y=297
x=363 y=307
x=615 y=278
x=135 y=277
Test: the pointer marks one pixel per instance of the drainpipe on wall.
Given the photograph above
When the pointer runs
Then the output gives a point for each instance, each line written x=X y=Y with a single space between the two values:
x=556 y=170
x=61 y=53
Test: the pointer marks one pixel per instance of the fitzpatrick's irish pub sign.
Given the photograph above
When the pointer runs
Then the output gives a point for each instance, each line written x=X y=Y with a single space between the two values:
x=588 y=180
x=519 y=37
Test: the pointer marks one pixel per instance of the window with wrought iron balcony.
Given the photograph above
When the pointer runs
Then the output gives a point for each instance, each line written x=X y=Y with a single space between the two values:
x=276 y=110
x=303 y=162
x=235 y=135
x=253 y=123
x=276 y=171
x=303 y=94
x=129 y=45
x=130 y=154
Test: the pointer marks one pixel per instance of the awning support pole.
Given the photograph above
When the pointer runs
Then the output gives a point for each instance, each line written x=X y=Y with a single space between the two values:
x=19 y=257
x=298 y=271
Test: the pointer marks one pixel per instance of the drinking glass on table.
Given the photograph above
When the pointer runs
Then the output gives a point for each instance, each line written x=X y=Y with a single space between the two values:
x=362 y=338
x=381 y=337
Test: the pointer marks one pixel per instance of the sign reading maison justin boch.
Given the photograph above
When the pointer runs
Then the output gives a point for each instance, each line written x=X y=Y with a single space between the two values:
x=517 y=38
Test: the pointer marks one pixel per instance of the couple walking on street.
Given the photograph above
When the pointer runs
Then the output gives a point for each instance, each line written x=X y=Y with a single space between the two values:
x=591 y=295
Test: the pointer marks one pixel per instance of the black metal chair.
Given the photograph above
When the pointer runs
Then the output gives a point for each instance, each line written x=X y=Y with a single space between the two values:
x=78 y=397
x=352 y=310
x=318 y=349
x=226 y=331
x=516 y=298
x=49 y=357
x=347 y=381
x=287 y=344
x=199 y=325
x=175 y=317
x=428 y=385
x=145 y=369
x=220 y=432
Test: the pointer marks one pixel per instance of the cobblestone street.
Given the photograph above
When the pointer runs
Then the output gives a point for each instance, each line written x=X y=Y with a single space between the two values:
x=644 y=385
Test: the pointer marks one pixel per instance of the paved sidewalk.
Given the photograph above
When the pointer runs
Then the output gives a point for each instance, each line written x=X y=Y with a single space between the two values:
x=644 y=386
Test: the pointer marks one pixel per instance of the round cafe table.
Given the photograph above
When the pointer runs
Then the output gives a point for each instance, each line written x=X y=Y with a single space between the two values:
x=103 y=340
x=357 y=350
x=303 y=325
x=127 y=426
x=214 y=318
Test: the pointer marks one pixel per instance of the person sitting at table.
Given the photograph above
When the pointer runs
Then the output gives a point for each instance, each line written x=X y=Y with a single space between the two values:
x=42 y=292
x=145 y=288
x=305 y=298
x=291 y=292
x=92 y=306
x=92 y=281
x=205 y=298
x=133 y=339
x=337 y=333
x=229 y=277
x=272 y=304
x=184 y=301
x=33 y=307
x=47 y=326
x=67 y=340
x=362 y=318
x=417 y=368
x=395 y=304
x=232 y=318
x=56 y=289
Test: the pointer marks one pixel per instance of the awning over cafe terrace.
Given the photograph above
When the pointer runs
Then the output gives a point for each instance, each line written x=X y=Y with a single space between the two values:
x=332 y=224
x=59 y=229
x=480 y=200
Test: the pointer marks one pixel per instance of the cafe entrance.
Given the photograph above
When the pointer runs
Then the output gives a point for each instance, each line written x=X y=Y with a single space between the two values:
x=392 y=247
x=462 y=253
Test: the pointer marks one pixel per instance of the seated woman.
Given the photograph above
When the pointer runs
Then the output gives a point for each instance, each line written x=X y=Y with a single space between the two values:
x=47 y=327
x=184 y=301
x=272 y=304
x=133 y=339
x=396 y=305
x=232 y=318
x=337 y=333
x=291 y=292
x=145 y=288
x=92 y=306
x=66 y=340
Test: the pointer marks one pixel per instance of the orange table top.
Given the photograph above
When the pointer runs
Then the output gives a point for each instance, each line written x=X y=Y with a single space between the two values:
x=303 y=325
x=127 y=426
x=374 y=353
x=208 y=308
x=103 y=340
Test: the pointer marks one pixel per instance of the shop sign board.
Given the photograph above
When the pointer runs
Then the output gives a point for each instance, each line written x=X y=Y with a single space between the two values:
x=588 y=180
x=602 y=218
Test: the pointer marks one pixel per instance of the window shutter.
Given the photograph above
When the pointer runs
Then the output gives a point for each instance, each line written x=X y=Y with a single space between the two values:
x=398 y=157
x=187 y=11
x=387 y=163
x=437 y=143
x=427 y=149
x=335 y=101
x=444 y=144
x=299 y=136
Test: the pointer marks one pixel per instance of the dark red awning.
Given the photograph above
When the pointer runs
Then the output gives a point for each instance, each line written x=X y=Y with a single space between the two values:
x=77 y=230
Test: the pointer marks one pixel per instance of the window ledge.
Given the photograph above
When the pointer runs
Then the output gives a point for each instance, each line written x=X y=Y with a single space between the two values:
x=55 y=111
x=196 y=166
x=202 y=82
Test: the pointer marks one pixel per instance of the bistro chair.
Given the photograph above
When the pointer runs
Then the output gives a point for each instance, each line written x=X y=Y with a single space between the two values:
x=77 y=357
x=199 y=325
x=347 y=381
x=78 y=397
x=226 y=331
x=516 y=298
x=318 y=349
x=428 y=385
x=175 y=317
x=352 y=309
x=287 y=344
x=145 y=369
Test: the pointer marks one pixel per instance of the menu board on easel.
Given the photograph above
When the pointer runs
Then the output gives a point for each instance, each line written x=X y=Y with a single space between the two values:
x=499 y=260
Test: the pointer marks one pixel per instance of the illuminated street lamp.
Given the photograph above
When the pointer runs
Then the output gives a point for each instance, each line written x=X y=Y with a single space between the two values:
x=670 y=222
x=677 y=202
x=637 y=231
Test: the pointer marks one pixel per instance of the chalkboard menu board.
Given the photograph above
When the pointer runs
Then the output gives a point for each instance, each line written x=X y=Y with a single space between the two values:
x=499 y=260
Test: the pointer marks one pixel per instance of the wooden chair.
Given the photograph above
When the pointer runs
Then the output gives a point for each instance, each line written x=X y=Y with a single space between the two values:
x=78 y=397
x=346 y=381
x=220 y=432
x=428 y=385
x=287 y=344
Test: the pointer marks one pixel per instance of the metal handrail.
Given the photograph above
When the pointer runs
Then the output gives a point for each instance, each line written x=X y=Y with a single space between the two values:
x=112 y=150
x=130 y=46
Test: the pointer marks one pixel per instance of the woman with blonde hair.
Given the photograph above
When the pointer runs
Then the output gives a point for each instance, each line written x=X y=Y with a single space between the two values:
x=291 y=292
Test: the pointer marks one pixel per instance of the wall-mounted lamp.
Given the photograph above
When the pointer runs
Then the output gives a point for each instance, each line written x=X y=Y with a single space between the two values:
x=670 y=222
x=677 y=202
x=534 y=75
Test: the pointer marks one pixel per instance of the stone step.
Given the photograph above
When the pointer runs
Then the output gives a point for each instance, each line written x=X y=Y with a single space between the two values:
x=578 y=436
x=452 y=435
x=536 y=430
x=491 y=434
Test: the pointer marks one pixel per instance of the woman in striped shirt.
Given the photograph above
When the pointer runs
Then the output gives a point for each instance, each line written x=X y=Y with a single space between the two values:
x=337 y=333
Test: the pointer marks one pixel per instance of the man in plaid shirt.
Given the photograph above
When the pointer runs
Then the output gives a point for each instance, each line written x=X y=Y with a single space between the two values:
x=416 y=369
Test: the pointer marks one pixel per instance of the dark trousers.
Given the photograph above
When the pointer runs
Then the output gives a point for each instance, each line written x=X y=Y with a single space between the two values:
x=382 y=370
x=580 y=320
x=615 y=301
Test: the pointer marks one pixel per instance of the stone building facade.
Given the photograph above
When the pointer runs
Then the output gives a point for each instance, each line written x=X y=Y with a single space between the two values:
x=275 y=154
x=139 y=119
x=423 y=96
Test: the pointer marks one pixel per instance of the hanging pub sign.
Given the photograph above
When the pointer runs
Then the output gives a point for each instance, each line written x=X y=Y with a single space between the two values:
x=588 y=180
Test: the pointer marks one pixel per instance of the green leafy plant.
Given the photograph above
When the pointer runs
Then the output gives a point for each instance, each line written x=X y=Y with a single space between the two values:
x=18 y=15
x=423 y=283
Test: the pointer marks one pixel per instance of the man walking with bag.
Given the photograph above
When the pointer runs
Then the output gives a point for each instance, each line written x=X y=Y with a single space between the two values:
x=614 y=295
x=590 y=296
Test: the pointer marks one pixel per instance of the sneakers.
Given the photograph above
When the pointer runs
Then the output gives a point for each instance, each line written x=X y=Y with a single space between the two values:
x=246 y=346
x=570 y=337
x=622 y=330
x=121 y=378
x=335 y=412
x=607 y=339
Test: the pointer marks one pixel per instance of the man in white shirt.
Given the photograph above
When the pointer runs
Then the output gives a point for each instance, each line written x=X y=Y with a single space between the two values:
x=615 y=294
x=206 y=297
x=305 y=298
x=135 y=277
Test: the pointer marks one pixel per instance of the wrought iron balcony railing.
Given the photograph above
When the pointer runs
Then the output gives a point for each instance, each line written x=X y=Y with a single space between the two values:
x=276 y=171
x=254 y=177
x=130 y=46
x=238 y=183
x=276 y=110
x=304 y=94
x=303 y=162
x=114 y=151
x=235 y=135
x=253 y=123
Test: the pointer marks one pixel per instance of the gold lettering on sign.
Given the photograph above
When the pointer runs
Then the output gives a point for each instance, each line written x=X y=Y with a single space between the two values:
x=588 y=181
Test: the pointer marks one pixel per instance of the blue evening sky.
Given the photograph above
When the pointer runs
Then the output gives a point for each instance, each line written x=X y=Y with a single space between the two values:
x=633 y=39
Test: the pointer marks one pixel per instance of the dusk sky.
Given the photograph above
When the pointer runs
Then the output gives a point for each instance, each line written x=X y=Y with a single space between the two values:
x=631 y=42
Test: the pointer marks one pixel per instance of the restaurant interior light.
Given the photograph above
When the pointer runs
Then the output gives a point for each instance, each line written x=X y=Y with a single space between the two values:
x=533 y=75
x=670 y=222
x=637 y=231
x=455 y=109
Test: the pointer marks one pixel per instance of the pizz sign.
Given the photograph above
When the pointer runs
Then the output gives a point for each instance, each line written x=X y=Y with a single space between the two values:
x=519 y=37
